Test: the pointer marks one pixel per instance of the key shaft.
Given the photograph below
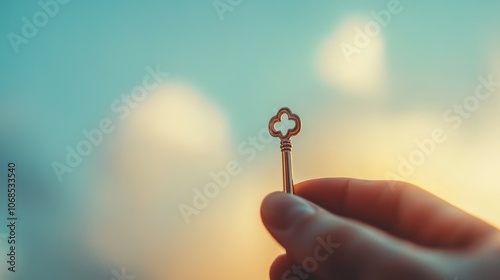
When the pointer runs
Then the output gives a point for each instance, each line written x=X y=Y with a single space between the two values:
x=286 y=158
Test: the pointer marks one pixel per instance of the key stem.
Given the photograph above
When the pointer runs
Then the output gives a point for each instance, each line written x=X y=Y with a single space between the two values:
x=286 y=153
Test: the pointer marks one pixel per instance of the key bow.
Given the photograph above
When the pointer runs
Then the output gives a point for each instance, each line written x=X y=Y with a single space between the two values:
x=277 y=119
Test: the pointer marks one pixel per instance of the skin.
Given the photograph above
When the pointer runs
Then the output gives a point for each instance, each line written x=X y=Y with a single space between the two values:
x=381 y=230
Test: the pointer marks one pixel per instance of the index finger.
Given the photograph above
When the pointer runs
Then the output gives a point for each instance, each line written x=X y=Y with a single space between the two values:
x=399 y=208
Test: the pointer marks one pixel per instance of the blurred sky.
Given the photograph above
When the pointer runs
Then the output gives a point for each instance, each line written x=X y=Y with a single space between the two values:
x=120 y=207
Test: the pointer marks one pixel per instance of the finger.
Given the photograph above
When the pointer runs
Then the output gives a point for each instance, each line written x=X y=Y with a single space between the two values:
x=398 y=208
x=332 y=247
x=279 y=266
x=283 y=267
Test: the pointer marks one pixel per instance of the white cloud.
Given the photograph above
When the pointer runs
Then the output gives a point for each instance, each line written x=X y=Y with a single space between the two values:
x=164 y=149
x=352 y=58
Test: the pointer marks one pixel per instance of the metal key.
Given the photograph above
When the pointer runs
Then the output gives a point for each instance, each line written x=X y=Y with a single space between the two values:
x=286 y=144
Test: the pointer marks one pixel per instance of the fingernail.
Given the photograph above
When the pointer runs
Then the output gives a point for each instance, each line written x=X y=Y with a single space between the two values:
x=280 y=211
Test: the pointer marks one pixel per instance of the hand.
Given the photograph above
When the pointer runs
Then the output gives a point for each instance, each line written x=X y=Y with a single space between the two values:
x=355 y=229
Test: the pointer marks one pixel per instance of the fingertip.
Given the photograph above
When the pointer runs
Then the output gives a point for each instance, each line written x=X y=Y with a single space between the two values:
x=279 y=266
x=284 y=267
x=268 y=206
x=268 y=199
x=280 y=211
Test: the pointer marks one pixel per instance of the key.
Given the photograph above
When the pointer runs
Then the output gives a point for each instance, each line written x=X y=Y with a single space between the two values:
x=277 y=129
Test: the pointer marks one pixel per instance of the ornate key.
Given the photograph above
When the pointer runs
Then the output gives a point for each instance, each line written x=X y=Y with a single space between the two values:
x=277 y=129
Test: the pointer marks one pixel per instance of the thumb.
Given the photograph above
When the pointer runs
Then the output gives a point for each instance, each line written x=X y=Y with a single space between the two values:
x=332 y=247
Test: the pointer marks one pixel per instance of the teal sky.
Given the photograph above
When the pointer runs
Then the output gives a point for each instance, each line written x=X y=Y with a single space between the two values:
x=259 y=57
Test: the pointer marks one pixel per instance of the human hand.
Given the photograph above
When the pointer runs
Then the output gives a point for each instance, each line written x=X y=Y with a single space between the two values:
x=343 y=228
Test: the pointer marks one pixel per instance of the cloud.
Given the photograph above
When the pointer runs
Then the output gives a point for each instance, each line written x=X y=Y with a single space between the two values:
x=164 y=149
x=352 y=59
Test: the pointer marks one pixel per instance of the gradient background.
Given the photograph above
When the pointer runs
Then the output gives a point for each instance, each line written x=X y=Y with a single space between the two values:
x=120 y=207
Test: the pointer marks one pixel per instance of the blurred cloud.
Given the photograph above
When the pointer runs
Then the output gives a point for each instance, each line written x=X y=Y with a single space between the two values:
x=162 y=150
x=175 y=131
x=179 y=116
x=352 y=59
